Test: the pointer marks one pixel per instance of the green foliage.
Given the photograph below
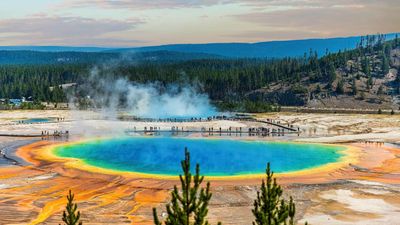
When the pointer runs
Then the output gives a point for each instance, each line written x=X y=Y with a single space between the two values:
x=362 y=96
x=257 y=107
x=299 y=89
x=385 y=65
x=269 y=207
x=189 y=203
x=366 y=68
x=17 y=81
x=370 y=82
x=23 y=57
x=31 y=105
x=223 y=79
x=354 y=87
x=380 y=90
x=340 y=87
x=247 y=106
x=71 y=216
x=331 y=73
x=318 y=89
x=397 y=83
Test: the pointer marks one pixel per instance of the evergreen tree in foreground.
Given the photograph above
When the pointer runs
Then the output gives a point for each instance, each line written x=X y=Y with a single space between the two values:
x=269 y=207
x=71 y=216
x=190 y=204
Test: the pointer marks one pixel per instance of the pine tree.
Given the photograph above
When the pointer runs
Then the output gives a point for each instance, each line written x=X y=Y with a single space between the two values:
x=370 y=82
x=380 y=90
x=354 y=87
x=385 y=65
x=269 y=207
x=331 y=73
x=318 y=89
x=362 y=95
x=189 y=203
x=340 y=87
x=366 y=67
x=71 y=216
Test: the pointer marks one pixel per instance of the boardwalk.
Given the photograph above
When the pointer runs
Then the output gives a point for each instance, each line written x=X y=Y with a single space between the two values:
x=274 y=128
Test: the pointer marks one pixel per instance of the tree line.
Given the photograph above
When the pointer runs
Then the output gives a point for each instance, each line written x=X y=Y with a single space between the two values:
x=230 y=83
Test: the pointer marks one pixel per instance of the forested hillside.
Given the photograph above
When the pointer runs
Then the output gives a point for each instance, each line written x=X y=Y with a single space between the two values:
x=39 y=57
x=367 y=77
x=364 y=77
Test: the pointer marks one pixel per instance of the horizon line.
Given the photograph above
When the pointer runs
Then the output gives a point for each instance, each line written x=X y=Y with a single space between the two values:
x=144 y=46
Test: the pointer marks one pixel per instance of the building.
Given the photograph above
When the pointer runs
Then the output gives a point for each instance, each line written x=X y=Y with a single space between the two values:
x=15 y=101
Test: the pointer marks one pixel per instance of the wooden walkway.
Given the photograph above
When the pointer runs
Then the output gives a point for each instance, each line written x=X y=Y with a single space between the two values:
x=277 y=125
x=225 y=132
x=211 y=130
x=23 y=135
x=268 y=121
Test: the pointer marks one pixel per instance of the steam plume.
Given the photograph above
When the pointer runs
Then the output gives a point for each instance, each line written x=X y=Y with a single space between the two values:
x=151 y=100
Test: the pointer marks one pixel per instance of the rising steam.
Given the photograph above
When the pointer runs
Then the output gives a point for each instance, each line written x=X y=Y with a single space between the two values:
x=151 y=100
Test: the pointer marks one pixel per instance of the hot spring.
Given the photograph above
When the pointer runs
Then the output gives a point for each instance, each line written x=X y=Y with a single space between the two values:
x=36 y=120
x=217 y=157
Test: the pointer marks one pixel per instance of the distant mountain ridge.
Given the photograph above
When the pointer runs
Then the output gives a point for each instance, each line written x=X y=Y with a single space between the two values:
x=269 y=49
x=53 y=48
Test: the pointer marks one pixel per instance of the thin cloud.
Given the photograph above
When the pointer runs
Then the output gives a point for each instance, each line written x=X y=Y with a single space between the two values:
x=104 y=23
x=272 y=34
x=327 y=20
x=163 y=4
x=316 y=3
x=66 y=30
x=143 y=4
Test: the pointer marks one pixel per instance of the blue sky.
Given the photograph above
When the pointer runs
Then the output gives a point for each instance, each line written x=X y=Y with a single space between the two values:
x=122 y=23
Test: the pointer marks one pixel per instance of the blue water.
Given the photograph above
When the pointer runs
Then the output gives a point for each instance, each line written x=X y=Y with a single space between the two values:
x=36 y=120
x=162 y=155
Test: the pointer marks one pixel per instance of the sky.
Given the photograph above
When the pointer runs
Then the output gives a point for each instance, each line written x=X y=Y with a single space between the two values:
x=128 y=23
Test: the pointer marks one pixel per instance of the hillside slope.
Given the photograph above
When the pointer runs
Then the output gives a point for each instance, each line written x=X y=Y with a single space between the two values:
x=367 y=78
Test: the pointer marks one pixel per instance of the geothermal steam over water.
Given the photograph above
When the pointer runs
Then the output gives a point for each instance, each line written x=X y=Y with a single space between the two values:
x=162 y=155
x=149 y=100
